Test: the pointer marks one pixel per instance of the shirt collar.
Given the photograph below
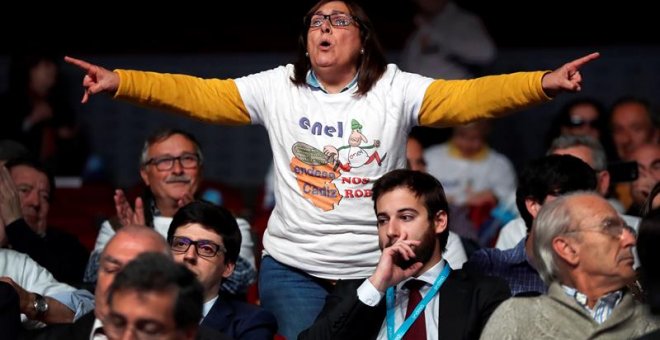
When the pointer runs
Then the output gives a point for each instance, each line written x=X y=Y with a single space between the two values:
x=609 y=300
x=428 y=276
x=97 y=324
x=207 y=306
x=314 y=82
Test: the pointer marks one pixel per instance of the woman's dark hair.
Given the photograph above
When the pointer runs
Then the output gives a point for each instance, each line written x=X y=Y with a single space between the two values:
x=371 y=64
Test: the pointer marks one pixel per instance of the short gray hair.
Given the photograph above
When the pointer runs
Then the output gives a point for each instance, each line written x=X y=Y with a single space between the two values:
x=163 y=134
x=555 y=218
x=570 y=141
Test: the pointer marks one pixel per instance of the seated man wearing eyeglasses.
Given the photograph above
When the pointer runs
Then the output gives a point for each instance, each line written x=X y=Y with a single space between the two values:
x=171 y=166
x=583 y=251
x=206 y=239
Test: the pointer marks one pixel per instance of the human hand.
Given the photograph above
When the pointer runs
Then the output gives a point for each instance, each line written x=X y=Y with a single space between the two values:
x=127 y=216
x=185 y=199
x=567 y=78
x=26 y=299
x=10 y=202
x=389 y=271
x=97 y=79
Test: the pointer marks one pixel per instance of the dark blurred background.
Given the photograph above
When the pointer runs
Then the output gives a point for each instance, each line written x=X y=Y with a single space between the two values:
x=248 y=26
x=234 y=38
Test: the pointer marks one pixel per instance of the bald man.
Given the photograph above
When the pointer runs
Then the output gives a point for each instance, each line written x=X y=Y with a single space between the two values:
x=124 y=246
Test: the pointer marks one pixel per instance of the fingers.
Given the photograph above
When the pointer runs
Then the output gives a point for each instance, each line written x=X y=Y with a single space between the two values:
x=85 y=97
x=187 y=198
x=138 y=217
x=77 y=62
x=403 y=248
x=578 y=63
x=124 y=211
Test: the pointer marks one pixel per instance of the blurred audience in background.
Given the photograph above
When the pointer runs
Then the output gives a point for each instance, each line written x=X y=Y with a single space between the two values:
x=38 y=113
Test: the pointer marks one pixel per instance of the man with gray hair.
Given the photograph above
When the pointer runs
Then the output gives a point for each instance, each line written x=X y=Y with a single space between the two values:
x=171 y=165
x=583 y=251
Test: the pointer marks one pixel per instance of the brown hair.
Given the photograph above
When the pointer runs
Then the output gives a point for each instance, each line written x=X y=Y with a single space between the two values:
x=371 y=64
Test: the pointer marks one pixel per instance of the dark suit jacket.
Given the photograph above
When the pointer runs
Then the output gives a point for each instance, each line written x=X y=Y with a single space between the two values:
x=59 y=252
x=81 y=329
x=240 y=320
x=466 y=303
x=10 y=314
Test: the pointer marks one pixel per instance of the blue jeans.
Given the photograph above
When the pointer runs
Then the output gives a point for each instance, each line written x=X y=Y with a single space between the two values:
x=294 y=297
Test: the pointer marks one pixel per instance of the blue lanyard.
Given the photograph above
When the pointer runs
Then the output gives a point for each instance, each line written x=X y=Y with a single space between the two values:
x=417 y=311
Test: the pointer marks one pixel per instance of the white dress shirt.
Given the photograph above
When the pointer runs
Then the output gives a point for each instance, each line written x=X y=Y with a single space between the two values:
x=369 y=295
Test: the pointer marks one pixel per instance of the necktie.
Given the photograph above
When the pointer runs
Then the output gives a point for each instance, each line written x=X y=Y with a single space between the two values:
x=418 y=329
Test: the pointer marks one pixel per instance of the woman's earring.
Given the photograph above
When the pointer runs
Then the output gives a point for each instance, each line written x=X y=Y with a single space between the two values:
x=362 y=50
x=307 y=54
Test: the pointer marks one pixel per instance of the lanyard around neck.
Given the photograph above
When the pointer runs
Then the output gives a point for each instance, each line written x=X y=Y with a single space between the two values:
x=391 y=335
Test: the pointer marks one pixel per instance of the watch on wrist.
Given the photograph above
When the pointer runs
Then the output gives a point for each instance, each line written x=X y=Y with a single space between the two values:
x=40 y=305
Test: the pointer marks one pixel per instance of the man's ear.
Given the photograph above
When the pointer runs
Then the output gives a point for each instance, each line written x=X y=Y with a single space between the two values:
x=440 y=221
x=532 y=206
x=143 y=174
x=229 y=269
x=603 y=182
x=567 y=249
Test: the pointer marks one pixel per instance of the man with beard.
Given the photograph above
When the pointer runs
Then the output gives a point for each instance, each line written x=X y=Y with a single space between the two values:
x=206 y=239
x=412 y=211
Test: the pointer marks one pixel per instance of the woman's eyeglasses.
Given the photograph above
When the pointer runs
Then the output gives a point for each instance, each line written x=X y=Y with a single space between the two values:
x=335 y=19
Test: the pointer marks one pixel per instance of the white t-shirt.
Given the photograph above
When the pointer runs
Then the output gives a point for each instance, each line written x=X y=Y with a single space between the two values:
x=330 y=231
x=461 y=176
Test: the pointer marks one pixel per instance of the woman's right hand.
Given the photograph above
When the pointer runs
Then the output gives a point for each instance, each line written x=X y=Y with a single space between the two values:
x=97 y=79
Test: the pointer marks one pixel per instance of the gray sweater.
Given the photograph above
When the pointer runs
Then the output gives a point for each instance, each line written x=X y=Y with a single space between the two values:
x=558 y=316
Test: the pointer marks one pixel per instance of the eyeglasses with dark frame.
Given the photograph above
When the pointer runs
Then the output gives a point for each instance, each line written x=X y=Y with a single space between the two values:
x=204 y=248
x=615 y=230
x=164 y=163
x=335 y=19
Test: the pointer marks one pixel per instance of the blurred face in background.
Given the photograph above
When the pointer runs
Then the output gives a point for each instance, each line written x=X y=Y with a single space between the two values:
x=470 y=139
x=583 y=120
x=42 y=77
x=648 y=164
x=415 y=155
x=34 y=193
x=631 y=127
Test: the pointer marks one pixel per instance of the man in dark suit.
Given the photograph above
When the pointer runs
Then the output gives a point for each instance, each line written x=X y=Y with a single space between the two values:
x=10 y=320
x=126 y=245
x=206 y=239
x=411 y=210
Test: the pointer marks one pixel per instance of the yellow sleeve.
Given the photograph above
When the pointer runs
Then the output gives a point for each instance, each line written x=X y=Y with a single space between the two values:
x=454 y=102
x=212 y=100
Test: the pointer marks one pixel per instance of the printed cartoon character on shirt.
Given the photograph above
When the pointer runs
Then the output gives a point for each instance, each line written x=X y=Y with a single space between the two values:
x=354 y=155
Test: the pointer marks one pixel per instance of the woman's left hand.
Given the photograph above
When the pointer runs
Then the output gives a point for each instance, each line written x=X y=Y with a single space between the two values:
x=567 y=78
